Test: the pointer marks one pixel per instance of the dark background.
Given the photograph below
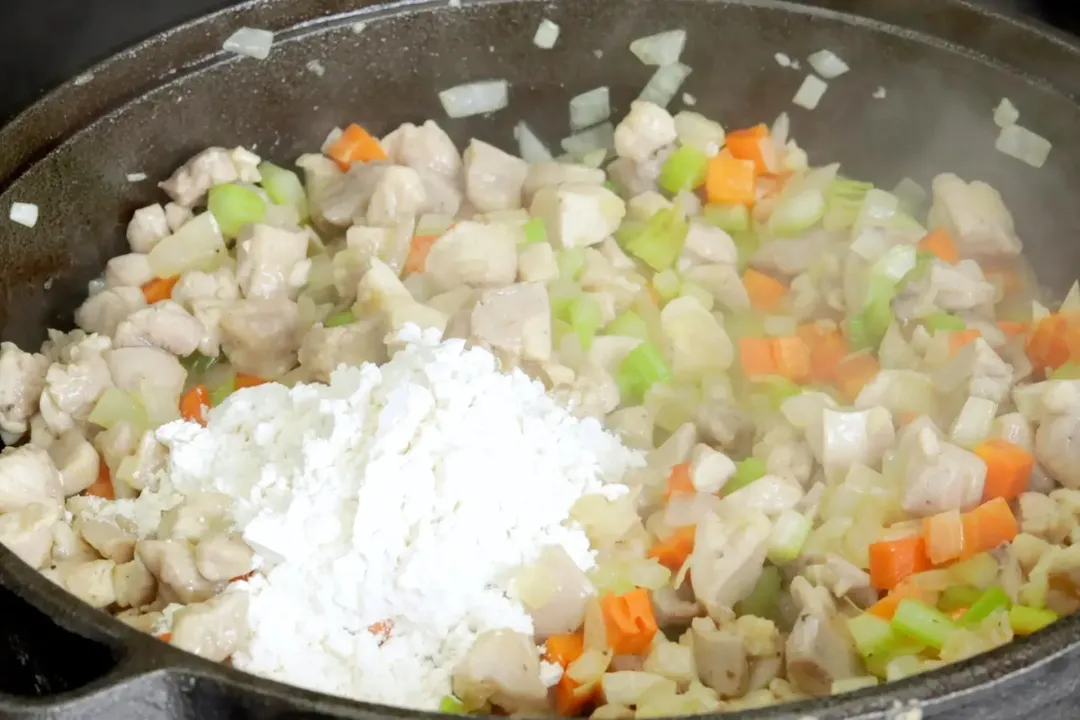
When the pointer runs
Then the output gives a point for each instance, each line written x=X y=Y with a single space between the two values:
x=44 y=42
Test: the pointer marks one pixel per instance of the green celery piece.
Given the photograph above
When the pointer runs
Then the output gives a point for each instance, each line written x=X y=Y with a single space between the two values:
x=943 y=322
x=762 y=600
x=661 y=241
x=535 y=231
x=923 y=260
x=789 y=536
x=958 y=597
x=221 y=393
x=561 y=295
x=746 y=244
x=1068 y=371
x=586 y=317
x=641 y=369
x=451 y=706
x=1025 y=620
x=777 y=389
x=746 y=472
x=345 y=317
x=197 y=364
x=922 y=622
x=629 y=230
x=730 y=218
x=234 y=206
x=991 y=600
x=843 y=201
x=684 y=170
x=667 y=284
x=628 y=324
x=794 y=215
x=571 y=262
x=858 y=333
x=283 y=187
x=872 y=635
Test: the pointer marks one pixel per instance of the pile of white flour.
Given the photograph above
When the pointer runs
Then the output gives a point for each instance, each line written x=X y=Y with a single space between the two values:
x=404 y=495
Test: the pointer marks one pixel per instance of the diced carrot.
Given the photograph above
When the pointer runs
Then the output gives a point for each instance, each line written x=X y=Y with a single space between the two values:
x=1008 y=468
x=571 y=698
x=355 y=145
x=853 y=372
x=988 y=526
x=753 y=144
x=941 y=243
x=1012 y=328
x=159 y=289
x=1005 y=273
x=957 y=613
x=242 y=578
x=792 y=357
x=243 y=380
x=893 y=560
x=1048 y=345
x=766 y=293
x=730 y=180
x=944 y=535
x=564 y=649
x=418 y=251
x=672 y=553
x=961 y=338
x=756 y=357
x=381 y=630
x=906 y=418
x=629 y=621
x=827 y=349
x=102 y=487
x=678 y=481
x=193 y=404
x=885 y=608
x=164 y=637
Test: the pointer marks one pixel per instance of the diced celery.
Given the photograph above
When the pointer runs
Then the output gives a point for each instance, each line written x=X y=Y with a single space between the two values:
x=943 y=322
x=642 y=367
x=535 y=231
x=703 y=296
x=776 y=389
x=345 y=317
x=922 y=622
x=746 y=472
x=730 y=218
x=559 y=330
x=629 y=230
x=667 y=284
x=586 y=317
x=571 y=261
x=197 y=363
x=1068 y=371
x=991 y=600
x=1025 y=620
x=684 y=170
x=958 y=597
x=746 y=244
x=795 y=215
x=283 y=187
x=866 y=329
x=234 y=206
x=762 y=600
x=660 y=242
x=904 y=666
x=219 y=394
x=628 y=324
x=744 y=325
x=873 y=636
x=451 y=705
x=923 y=260
x=561 y=294
x=788 y=537
x=116 y=406
x=843 y=201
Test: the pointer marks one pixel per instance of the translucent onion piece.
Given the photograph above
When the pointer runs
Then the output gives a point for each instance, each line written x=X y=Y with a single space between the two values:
x=827 y=64
x=1024 y=145
x=590 y=108
x=24 y=214
x=664 y=84
x=530 y=147
x=547 y=34
x=251 y=42
x=601 y=137
x=1006 y=114
x=196 y=245
x=477 y=98
x=661 y=49
x=810 y=92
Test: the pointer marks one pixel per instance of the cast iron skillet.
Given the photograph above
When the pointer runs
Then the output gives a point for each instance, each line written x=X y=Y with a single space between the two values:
x=944 y=63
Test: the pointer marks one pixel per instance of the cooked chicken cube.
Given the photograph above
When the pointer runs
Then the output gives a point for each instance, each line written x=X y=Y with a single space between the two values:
x=164 y=325
x=940 y=476
x=261 y=337
x=133 y=585
x=135 y=369
x=172 y=562
x=1057 y=448
x=647 y=128
x=22 y=378
x=102 y=313
x=72 y=388
x=213 y=629
x=176 y=216
x=536 y=263
x=708 y=244
x=28 y=532
x=195 y=285
x=425 y=149
x=975 y=215
x=501 y=667
x=222 y=557
x=720 y=658
x=341 y=199
x=473 y=254
x=271 y=262
x=728 y=557
x=90 y=581
x=324 y=349
x=398 y=193
x=515 y=320
x=111 y=542
x=819 y=652
x=493 y=179
x=76 y=460
x=189 y=184
x=578 y=215
x=553 y=174
x=131 y=270
x=147 y=228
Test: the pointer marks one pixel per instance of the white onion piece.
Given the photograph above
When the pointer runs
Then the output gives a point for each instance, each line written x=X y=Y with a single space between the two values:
x=331 y=138
x=661 y=49
x=781 y=129
x=698 y=131
x=590 y=108
x=1024 y=145
x=783 y=59
x=1006 y=114
x=810 y=92
x=689 y=99
x=476 y=98
x=688 y=509
x=358 y=27
x=251 y=42
x=601 y=137
x=24 y=213
x=780 y=325
x=664 y=84
x=910 y=193
x=136 y=177
x=974 y=423
x=880 y=93
x=530 y=147
x=827 y=64
x=547 y=34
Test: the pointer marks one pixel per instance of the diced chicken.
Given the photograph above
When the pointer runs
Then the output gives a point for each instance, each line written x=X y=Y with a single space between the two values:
x=675 y=608
x=246 y=164
x=143 y=622
x=177 y=216
x=493 y=178
x=720 y=658
x=501 y=667
x=164 y=325
x=68 y=545
x=72 y=388
x=578 y=215
x=133 y=585
x=342 y=199
x=221 y=557
x=271 y=262
x=442 y=194
x=131 y=270
x=553 y=174
x=196 y=517
x=261 y=337
x=28 y=532
x=939 y=476
x=560 y=593
x=103 y=312
x=398 y=193
x=819 y=651
x=188 y=185
x=707 y=244
x=147 y=228
x=961 y=287
x=1057 y=448
x=978 y=371
x=195 y=285
x=723 y=424
x=592 y=393
x=723 y=283
x=90 y=581
x=853 y=437
x=134 y=369
x=516 y=321
x=1041 y=516
x=324 y=349
x=172 y=562
x=976 y=216
x=536 y=263
x=76 y=460
x=147 y=460
x=473 y=254
x=22 y=378
x=111 y=542
x=213 y=629
x=425 y=149
x=635 y=177
x=728 y=557
x=647 y=128
x=600 y=273
x=208 y=313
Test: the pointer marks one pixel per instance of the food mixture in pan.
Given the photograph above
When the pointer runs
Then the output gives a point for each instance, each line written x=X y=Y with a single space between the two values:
x=699 y=428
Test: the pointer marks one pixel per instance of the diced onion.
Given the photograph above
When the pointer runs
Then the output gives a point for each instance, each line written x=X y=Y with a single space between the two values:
x=358 y=27
x=827 y=64
x=251 y=42
x=317 y=68
x=973 y=424
x=664 y=84
x=530 y=147
x=880 y=93
x=601 y=137
x=783 y=59
x=136 y=177
x=476 y=98
x=697 y=131
x=547 y=34
x=910 y=193
x=780 y=325
x=24 y=213
x=589 y=667
x=433 y=224
x=590 y=108
x=661 y=49
x=1006 y=114
x=1024 y=145
x=810 y=92
x=196 y=245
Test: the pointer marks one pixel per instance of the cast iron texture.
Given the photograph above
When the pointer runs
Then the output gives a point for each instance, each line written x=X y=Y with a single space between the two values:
x=944 y=63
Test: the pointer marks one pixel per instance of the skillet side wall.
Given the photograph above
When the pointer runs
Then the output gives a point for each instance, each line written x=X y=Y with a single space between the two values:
x=937 y=116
